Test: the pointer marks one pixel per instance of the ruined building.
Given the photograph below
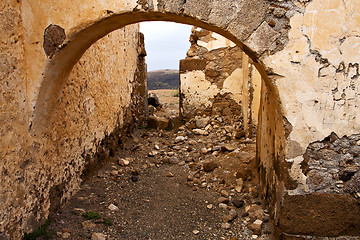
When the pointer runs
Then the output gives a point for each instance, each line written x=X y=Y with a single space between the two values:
x=218 y=79
x=72 y=85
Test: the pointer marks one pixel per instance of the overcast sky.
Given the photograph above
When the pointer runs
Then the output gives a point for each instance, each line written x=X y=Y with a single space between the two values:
x=166 y=43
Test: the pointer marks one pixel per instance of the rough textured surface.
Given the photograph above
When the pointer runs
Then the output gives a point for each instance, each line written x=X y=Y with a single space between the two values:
x=213 y=81
x=40 y=172
x=320 y=214
x=310 y=88
x=333 y=165
x=318 y=96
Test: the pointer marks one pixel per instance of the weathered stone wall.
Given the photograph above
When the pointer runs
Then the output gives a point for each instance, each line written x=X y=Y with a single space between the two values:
x=103 y=95
x=332 y=168
x=215 y=79
x=204 y=91
x=315 y=74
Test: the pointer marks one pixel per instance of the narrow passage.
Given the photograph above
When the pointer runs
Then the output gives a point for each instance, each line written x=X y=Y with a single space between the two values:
x=195 y=183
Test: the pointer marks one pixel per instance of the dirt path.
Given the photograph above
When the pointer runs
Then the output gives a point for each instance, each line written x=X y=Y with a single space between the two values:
x=166 y=185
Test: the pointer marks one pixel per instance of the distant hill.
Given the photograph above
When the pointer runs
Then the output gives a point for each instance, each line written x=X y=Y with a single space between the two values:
x=163 y=79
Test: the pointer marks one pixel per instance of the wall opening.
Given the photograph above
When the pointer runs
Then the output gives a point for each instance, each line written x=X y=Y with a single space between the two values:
x=214 y=143
x=59 y=66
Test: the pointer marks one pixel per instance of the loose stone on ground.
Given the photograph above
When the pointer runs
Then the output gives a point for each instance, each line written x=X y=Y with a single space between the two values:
x=197 y=181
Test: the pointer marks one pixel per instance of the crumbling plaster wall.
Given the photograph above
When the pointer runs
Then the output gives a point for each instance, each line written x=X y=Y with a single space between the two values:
x=321 y=93
x=219 y=74
x=40 y=171
x=317 y=78
x=217 y=78
x=310 y=50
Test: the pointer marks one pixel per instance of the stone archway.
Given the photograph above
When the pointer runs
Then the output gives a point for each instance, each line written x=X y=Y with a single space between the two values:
x=244 y=24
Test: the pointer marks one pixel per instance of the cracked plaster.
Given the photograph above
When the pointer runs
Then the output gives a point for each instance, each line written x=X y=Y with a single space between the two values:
x=322 y=91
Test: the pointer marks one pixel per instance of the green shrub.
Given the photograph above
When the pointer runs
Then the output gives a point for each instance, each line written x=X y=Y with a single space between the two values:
x=107 y=222
x=91 y=215
x=41 y=231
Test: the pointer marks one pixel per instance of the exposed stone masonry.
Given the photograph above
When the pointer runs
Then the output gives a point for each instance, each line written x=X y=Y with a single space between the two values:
x=218 y=78
x=333 y=165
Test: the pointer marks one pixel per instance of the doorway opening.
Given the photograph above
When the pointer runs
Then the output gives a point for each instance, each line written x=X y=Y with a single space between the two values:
x=205 y=152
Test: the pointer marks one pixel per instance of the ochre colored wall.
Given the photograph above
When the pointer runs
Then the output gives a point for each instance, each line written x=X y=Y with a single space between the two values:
x=40 y=171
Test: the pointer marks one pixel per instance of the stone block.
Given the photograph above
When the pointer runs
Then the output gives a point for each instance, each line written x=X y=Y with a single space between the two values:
x=262 y=38
x=192 y=65
x=320 y=214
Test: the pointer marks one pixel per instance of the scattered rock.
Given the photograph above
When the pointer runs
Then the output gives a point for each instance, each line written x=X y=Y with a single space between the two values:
x=209 y=166
x=239 y=134
x=255 y=212
x=206 y=171
x=174 y=160
x=223 y=200
x=238 y=203
x=223 y=206
x=228 y=148
x=196 y=232
x=98 y=236
x=256 y=226
x=233 y=213
x=225 y=225
x=154 y=100
x=229 y=129
x=216 y=148
x=238 y=189
x=182 y=163
x=124 y=161
x=224 y=193
x=88 y=224
x=114 y=173
x=170 y=154
x=153 y=153
x=205 y=150
x=231 y=216
x=228 y=218
x=112 y=207
x=179 y=139
x=279 y=12
x=192 y=142
x=202 y=122
x=357 y=195
x=176 y=147
x=239 y=184
x=66 y=235
x=197 y=131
